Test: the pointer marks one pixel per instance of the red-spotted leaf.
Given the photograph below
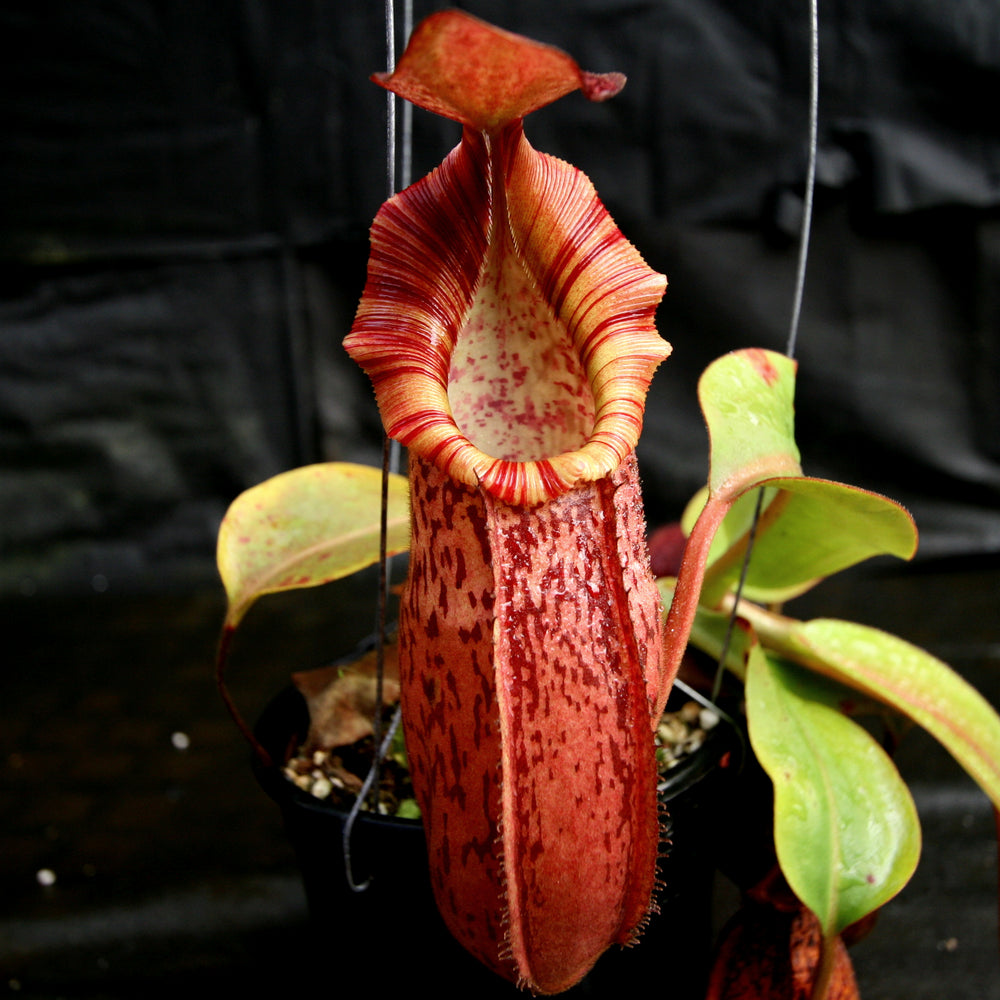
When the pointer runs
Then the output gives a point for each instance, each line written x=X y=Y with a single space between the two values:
x=747 y=398
x=845 y=826
x=306 y=527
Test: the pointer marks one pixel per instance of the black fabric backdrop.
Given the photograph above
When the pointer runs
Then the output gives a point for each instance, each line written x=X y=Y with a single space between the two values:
x=185 y=191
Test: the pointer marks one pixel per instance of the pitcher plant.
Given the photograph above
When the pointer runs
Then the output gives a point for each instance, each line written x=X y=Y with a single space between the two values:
x=507 y=327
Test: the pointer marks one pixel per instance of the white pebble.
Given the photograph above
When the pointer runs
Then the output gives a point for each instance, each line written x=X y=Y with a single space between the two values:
x=45 y=876
x=689 y=711
x=708 y=719
x=321 y=788
x=181 y=741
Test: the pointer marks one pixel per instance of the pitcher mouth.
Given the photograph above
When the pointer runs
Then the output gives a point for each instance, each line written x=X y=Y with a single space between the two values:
x=507 y=324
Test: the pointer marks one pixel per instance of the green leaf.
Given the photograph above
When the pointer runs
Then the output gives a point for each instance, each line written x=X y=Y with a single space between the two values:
x=304 y=528
x=747 y=399
x=812 y=529
x=734 y=526
x=408 y=809
x=913 y=682
x=846 y=829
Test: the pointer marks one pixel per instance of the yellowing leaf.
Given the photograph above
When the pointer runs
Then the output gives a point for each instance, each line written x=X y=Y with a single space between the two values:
x=306 y=527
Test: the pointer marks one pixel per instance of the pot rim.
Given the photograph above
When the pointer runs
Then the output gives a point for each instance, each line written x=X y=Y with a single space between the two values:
x=284 y=722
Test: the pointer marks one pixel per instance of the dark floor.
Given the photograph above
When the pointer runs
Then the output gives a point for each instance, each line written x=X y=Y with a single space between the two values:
x=170 y=865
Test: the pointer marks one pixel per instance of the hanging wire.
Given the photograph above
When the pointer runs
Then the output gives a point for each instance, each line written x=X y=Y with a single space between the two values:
x=807 y=204
x=390 y=463
x=405 y=172
x=406 y=145
x=390 y=100
x=793 y=326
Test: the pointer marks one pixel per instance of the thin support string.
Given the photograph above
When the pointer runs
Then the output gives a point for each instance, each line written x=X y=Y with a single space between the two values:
x=383 y=749
x=406 y=144
x=390 y=462
x=390 y=100
x=793 y=326
x=807 y=205
x=405 y=176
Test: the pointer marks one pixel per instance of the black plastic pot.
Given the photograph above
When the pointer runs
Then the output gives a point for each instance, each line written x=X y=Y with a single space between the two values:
x=394 y=925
